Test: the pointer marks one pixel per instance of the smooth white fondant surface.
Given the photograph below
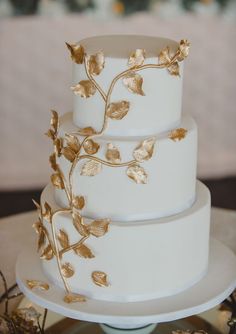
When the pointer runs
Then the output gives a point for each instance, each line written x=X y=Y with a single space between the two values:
x=159 y=110
x=111 y=193
x=142 y=259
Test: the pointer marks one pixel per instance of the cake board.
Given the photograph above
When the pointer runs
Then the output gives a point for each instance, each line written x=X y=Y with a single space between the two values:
x=139 y=317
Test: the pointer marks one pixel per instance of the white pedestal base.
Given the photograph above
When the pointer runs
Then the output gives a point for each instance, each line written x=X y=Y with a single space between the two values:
x=217 y=285
x=115 y=330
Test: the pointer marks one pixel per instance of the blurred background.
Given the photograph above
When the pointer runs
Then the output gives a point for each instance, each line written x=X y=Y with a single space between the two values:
x=35 y=76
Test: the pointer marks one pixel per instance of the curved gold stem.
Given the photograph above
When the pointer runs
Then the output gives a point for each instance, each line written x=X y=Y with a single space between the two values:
x=65 y=184
x=77 y=244
x=107 y=163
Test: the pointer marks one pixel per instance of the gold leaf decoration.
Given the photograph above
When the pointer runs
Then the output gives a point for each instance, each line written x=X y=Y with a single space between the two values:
x=113 y=154
x=48 y=212
x=76 y=52
x=31 y=283
x=58 y=146
x=91 y=168
x=85 y=88
x=78 y=202
x=74 y=298
x=73 y=143
x=69 y=154
x=37 y=205
x=183 y=49
x=178 y=134
x=174 y=69
x=53 y=161
x=84 y=251
x=91 y=147
x=145 y=150
x=88 y=131
x=50 y=133
x=38 y=226
x=100 y=278
x=133 y=81
x=164 y=56
x=54 y=121
x=47 y=253
x=99 y=227
x=96 y=63
x=137 y=174
x=57 y=181
x=79 y=225
x=67 y=270
x=137 y=58
x=63 y=239
x=118 y=110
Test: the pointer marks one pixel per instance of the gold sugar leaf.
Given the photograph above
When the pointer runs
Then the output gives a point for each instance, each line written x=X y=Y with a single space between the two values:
x=174 y=69
x=84 y=251
x=91 y=168
x=63 y=239
x=58 y=146
x=32 y=283
x=137 y=58
x=73 y=142
x=38 y=226
x=183 y=49
x=133 y=81
x=137 y=174
x=67 y=270
x=85 y=88
x=118 y=110
x=57 y=181
x=47 y=253
x=37 y=205
x=48 y=212
x=51 y=134
x=53 y=161
x=76 y=52
x=54 y=121
x=88 y=131
x=178 y=134
x=80 y=227
x=96 y=63
x=145 y=150
x=68 y=153
x=74 y=298
x=91 y=147
x=164 y=56
x=100 y=278
x=113 y=154
x=78 y=202
x=99 y=227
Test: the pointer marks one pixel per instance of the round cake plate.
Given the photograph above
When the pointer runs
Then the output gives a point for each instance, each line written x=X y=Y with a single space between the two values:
x=139 y=317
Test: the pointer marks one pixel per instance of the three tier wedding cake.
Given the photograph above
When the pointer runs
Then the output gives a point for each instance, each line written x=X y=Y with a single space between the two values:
x=123 y=218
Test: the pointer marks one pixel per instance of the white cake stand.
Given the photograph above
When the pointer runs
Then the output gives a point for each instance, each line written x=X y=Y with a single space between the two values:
x=137 y=317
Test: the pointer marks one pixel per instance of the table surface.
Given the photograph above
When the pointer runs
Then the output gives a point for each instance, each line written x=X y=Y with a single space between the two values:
x=16 y=230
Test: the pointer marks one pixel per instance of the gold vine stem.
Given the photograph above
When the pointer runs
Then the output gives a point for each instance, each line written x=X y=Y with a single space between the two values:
x=65 y=183
x=49 y=240
x=77 y=244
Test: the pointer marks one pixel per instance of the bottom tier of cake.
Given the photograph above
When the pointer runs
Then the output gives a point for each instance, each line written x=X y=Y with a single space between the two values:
x=139 y=260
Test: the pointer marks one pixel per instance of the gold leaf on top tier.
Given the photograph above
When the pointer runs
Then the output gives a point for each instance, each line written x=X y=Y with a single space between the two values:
x=88 y=131
x=91 y=168
x=137 y=174
x=63 y=239
x=74 y=298
x=78 y=202
x=137 y=58
x=133 y=81
x=76 y=52
x=100 y=278
x=32 y=283
x=79 y=225
x=47 y=253
x=91 y=147
x=113 y=154
x=145 y=150
x=99 y=227
x=73 y=143
x=118 y=110
x=178 y=134
x=183 y=49
x=53 y=161
x=69 y=154
x=85 y=88
x=174 y=69
x=164 y=56
x=67 y=270
x=83 y=251
x=54 y=120
x=96 y=63
x=57 y=181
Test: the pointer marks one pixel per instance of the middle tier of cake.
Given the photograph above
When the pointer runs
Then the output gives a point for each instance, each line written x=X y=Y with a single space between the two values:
x=170 y=184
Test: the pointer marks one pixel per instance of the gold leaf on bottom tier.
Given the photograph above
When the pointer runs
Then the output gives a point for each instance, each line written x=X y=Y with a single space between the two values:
x=118 y=110
x=145 y=150
x=63 y=239
x=99 y=227
x=100 y=278
x=91 y=147
x=84 y=251
x=88 y=131
x=74 y=298
x=137 y=174
x=113 y=154
x=78 y=202
x=57 y=181
x=91 y=168
x=47 y=253
x=31 y=283
x=178 y=134
x=85 y=88
x=67 y=270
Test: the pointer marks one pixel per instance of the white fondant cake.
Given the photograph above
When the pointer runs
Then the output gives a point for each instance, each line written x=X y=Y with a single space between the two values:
x=124 y=219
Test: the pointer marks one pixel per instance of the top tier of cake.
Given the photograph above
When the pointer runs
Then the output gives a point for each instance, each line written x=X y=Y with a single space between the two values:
x=154 y=95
